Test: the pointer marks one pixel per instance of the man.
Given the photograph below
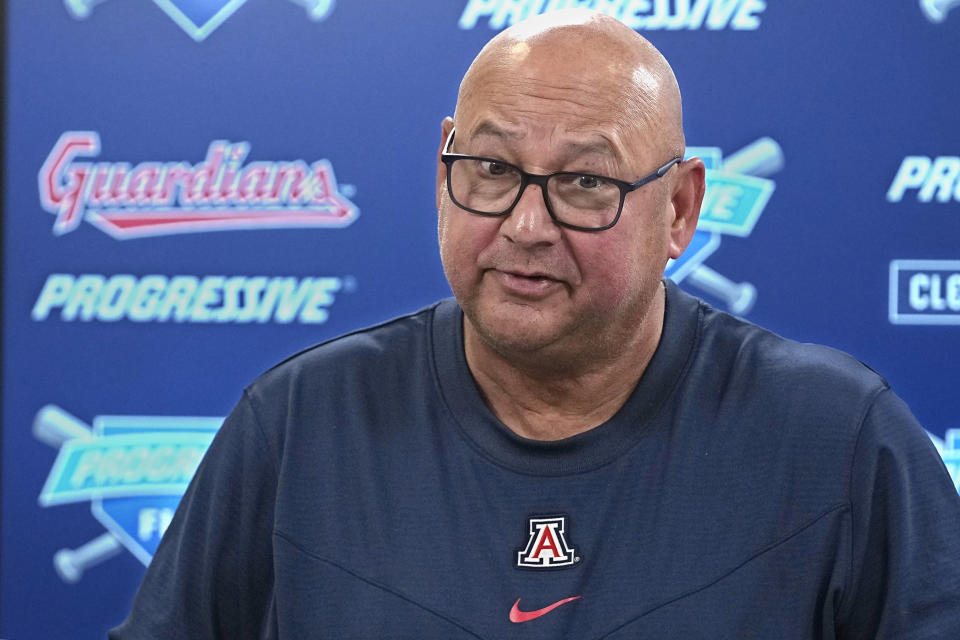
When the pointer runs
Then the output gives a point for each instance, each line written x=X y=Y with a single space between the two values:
x=574 y=448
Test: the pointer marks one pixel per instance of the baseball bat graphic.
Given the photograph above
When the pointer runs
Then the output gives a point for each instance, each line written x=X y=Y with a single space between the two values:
x=936 y=10
x=71 y=563
x=81 y=8
x=738 y=296
x=54 y=426
x=760 y=158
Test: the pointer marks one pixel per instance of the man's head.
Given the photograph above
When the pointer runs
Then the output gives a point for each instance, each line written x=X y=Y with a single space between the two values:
x=569 y=91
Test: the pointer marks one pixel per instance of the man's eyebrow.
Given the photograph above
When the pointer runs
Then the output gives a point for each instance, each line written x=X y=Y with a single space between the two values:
x=591 y=147
x=487 y=128
x=572 y=149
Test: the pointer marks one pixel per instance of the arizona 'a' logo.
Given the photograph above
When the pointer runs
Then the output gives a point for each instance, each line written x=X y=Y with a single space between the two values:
x=547 y=546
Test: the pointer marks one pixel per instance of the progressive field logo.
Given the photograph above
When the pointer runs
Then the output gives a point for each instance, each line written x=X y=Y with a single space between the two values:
x=925 y=292
x=737 y=193
x=642 y=15
x=222 y=192
x=200 y=18
x=132 y=469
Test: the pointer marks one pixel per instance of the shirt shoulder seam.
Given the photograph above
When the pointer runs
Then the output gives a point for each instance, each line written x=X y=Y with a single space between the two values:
x=865 y=411
x=264 y=442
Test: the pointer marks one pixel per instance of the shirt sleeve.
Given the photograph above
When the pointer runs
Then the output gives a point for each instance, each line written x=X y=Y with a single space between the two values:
x=212 y=575
x=904 y=579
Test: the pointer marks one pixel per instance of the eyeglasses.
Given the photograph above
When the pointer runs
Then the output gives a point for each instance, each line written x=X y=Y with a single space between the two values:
x=581 y=201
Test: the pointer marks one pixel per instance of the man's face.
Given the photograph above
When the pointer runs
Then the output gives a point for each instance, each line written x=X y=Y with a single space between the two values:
x=525 y=283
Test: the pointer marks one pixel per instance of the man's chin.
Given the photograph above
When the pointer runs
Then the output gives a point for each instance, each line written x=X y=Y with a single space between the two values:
x=518 y=331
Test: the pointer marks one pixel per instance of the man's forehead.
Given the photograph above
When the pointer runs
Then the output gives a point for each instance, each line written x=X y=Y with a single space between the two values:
x=569 y=142
x=575 y=112
x=559 y=59
x=586 y=91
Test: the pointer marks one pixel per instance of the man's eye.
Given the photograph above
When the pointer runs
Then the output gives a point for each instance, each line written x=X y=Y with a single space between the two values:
x=494 y=168
x=588 y=182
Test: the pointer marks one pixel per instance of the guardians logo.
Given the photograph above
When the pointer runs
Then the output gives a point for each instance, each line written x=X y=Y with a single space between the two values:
x=199 y=18
x=160 y=198
x=736 y=195
x=132 y=469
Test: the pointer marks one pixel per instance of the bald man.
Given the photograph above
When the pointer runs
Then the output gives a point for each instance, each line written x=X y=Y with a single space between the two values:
x=573 y=447
x=560 y=325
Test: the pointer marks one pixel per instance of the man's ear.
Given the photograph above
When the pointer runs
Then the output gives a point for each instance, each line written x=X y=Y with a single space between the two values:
x=445 y=128
x=686 y=197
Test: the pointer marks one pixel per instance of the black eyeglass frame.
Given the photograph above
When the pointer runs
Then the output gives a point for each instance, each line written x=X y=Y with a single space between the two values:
x=540 y=180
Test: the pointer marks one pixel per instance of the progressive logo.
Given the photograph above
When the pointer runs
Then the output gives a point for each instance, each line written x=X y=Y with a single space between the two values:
x=132 y=469
x=927 y=179
x=642 y=15
x=211 y=299
x=222 y=192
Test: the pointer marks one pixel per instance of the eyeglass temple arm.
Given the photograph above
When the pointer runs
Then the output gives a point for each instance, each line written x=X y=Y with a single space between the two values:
x=659 y=173
x=449 y=143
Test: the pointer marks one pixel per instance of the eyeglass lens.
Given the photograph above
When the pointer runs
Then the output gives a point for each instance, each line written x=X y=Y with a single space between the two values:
x=492 y=187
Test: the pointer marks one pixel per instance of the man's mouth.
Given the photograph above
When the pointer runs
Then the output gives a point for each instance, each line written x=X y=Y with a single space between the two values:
x=530 y=276
x=527 y=284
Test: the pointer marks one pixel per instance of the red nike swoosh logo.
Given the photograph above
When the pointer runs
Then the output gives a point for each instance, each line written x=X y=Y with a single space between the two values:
x=525 y=616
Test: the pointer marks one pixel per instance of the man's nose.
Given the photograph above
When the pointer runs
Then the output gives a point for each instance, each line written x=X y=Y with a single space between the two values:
x=529 y=223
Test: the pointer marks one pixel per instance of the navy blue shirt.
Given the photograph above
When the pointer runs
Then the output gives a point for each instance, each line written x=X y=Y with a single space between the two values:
x=750 y=487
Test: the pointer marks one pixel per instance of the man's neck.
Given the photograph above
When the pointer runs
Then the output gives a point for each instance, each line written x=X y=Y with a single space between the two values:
x=540 y=399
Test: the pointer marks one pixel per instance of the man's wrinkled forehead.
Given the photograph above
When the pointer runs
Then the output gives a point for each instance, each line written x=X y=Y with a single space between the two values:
x=491 y=134
x=576 y=114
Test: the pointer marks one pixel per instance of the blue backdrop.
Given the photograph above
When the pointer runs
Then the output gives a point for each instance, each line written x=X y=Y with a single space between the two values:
x=194 y=189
